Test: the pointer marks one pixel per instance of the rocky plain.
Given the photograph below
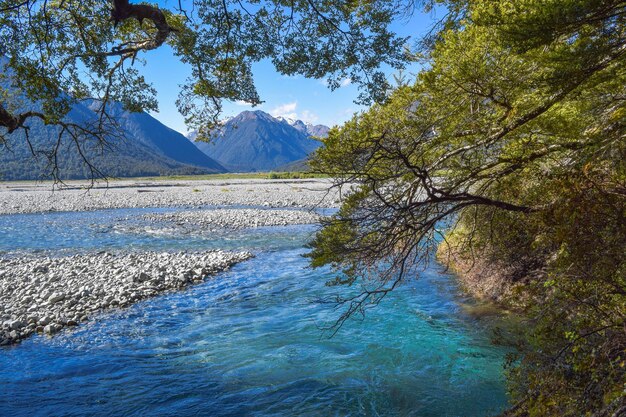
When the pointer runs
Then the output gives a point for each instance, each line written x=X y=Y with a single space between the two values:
x=31 y=197
x=46 y=293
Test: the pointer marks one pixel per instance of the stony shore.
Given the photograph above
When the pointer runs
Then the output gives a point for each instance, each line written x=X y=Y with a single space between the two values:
x=44 y=295
x=31 y=197
x=235 y=218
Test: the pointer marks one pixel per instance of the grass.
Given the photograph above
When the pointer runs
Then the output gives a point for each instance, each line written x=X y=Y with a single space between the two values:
x=232 y=176
x=225 y=176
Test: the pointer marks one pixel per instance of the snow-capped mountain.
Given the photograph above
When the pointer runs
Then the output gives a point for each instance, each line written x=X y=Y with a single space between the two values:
x=256 y=141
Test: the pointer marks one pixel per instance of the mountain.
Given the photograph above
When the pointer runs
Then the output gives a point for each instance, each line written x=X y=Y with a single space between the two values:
x=146 y=129
x=256 y=141
x=148 y=149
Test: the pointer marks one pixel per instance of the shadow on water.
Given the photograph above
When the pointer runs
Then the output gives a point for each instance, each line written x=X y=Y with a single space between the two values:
x=248 y=342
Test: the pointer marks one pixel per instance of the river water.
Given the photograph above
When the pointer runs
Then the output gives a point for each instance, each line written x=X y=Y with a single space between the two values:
x=249 y=341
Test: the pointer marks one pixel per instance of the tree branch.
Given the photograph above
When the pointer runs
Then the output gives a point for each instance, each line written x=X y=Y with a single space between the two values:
x=13 y=122
x=123 y=10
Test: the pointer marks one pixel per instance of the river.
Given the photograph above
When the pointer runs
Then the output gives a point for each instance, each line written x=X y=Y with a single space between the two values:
x=249 y=341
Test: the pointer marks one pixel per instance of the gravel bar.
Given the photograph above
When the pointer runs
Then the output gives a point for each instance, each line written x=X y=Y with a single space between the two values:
x=236 y=218
x=44 y=295
x=32 y=197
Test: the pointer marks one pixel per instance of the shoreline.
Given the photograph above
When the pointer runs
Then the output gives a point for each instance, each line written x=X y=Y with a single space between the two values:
x=481 y=280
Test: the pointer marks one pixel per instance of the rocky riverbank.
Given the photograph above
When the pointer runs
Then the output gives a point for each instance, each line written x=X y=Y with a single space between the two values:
x=32 y=197
x=44 y=295
x=484 y=280
x=235 y=218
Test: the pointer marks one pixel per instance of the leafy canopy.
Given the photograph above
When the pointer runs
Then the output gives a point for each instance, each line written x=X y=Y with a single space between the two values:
x=496 y=110
x=60 y=51
x=510 y=147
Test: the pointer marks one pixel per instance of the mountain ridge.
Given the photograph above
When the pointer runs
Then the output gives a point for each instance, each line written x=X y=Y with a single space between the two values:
x=148 y=148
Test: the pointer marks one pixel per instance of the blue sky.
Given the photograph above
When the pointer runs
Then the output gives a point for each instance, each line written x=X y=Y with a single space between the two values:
x=296 y=96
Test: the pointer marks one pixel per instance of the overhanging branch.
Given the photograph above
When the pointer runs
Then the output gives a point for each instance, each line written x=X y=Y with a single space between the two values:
x=13 y=122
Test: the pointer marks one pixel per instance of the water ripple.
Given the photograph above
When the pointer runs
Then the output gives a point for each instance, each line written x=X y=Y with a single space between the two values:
x=248 y=341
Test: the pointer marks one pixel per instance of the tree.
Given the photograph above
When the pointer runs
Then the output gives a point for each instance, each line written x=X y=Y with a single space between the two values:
x=509 y=147
x=59 y=52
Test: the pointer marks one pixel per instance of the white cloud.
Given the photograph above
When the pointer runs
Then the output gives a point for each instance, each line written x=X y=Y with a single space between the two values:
x=342 y=83
x=285 y=108
x=308 y=117
x=288 y=110
x=242 y=103
x=345 y=82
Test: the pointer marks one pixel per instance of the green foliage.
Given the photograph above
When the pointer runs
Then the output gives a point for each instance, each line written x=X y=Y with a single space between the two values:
x=512 y=139
x=292 y=175
x=574 y=360
x=241 y=176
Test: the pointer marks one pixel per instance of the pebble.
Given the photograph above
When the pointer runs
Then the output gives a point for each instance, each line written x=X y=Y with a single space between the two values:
x=235 y=218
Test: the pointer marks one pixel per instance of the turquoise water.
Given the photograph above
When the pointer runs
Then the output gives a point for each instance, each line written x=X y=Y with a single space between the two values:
x=249 y=341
